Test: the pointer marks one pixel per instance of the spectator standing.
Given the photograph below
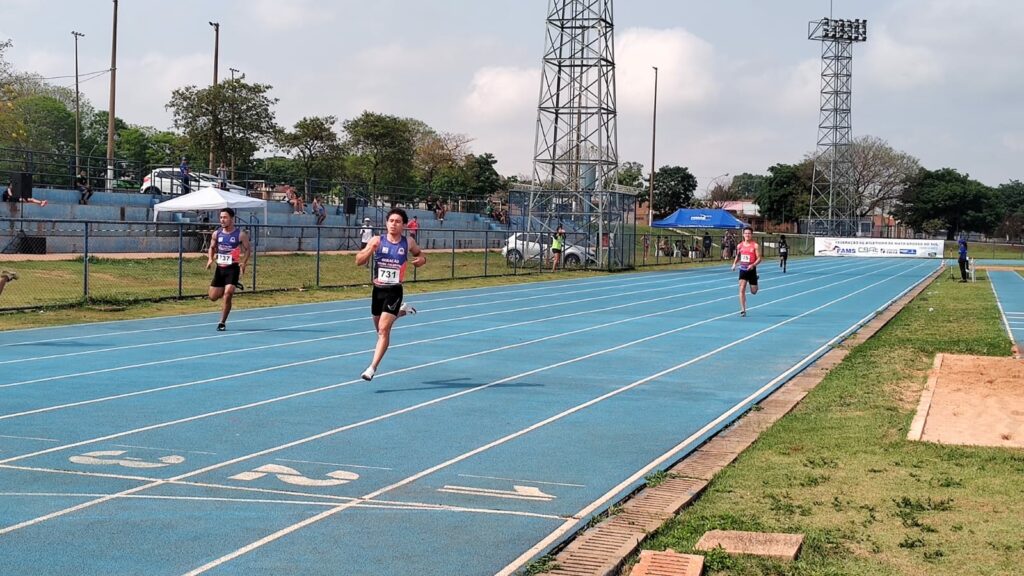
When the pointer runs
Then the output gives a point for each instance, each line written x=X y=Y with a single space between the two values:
x=319 y=211
x=185 y=175
x=647 y=244
x=728 y=243
x=82 y=183
x=707 y=245
x=365 y=233
x=5 y=277
x=222 y=176
x=413 y=227
x=962 y=260
x=557 y=245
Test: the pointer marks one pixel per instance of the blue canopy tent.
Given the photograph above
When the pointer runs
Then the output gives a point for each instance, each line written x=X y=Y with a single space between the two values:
x=699 y=218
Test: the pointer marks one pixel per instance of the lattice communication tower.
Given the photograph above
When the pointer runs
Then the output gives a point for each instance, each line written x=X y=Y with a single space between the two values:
x=575 y=161
x=834 y=202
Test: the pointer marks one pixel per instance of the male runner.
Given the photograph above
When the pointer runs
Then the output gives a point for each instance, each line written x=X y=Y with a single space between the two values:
x=389 y=252
x=748 y=256
x=783 y=252
x=229 y=247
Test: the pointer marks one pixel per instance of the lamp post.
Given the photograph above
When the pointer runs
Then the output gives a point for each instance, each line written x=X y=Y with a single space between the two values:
x=110 y=113
x=708 y=188
x=77 y=35
x=654 y=133
x=231 y=156
x=216 y=57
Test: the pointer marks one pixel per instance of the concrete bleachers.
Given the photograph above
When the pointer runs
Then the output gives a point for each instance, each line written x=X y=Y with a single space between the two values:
x=123 y=222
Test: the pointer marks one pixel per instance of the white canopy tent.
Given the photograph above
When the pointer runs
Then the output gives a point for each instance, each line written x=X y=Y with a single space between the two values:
x=210 y=198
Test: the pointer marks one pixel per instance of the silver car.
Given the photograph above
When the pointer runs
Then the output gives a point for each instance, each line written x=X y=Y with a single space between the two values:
x=168 y=181
x=536 y=246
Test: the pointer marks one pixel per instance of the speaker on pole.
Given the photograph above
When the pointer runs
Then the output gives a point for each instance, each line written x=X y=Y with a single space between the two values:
x=22 y=185
x=350 y=205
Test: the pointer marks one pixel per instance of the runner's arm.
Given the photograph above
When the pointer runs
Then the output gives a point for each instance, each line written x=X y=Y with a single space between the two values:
x=419 y=258
x=246 y=250
x=364 y=255
x=212 y=250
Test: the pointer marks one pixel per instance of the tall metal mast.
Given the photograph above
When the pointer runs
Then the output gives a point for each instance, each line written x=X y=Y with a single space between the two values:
x=834 y=204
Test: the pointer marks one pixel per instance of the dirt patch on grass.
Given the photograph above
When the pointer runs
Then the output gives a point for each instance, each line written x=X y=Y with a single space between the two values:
x=975 y=400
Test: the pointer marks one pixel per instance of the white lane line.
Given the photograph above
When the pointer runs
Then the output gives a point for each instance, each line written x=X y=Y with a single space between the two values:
x=413 y=343
x=29 y=438
x=331 y=464
x=586 y=511
x=523 y=481
x=414 y=506
x=360 y=305
x=394 y=413
x=350 y=334
x=338 y=336
x=164 y=449
x=509 y=437
x=994 y=276
x=234 y=335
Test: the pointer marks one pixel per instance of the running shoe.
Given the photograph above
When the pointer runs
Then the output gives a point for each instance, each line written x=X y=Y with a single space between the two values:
x=221 y=327
x=239 y=286
x=368 y=374
x=743 y=312
x=407 y=308
x=9 y=274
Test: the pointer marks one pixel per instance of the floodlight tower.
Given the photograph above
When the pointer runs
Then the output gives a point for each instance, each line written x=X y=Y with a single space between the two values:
x=575 y=162
x=833 y=210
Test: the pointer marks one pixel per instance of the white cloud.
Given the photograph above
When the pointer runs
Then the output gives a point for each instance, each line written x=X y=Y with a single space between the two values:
x=498 y=94
x=686 y=72
x=897 y=65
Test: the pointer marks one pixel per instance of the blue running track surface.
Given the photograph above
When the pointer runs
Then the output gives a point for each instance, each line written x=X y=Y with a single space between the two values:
x=1009 y=289
x=500 y=421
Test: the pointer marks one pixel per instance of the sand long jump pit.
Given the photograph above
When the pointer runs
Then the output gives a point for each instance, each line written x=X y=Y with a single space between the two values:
x=972 y=400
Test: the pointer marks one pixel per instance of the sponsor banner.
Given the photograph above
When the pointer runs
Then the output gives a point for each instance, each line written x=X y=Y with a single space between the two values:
x=878 y=247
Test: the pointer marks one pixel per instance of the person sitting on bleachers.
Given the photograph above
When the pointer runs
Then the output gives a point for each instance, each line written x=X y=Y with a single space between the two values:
x=12 y=199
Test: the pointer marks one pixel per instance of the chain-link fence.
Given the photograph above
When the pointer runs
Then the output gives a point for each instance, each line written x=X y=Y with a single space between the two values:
x=67 y=262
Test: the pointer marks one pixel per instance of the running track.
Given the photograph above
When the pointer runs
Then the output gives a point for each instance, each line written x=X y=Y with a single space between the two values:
x=501 y=420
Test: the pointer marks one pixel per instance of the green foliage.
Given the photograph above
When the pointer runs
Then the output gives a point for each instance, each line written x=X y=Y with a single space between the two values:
x=673 y=189
x=631 y=174
x=1010 y=198
x=954 y=199
x=384 y=148
x=315 y=145
x=234 y=117
x=786 y=193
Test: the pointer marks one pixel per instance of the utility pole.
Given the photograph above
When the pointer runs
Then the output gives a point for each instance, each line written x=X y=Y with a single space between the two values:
x=654 y=133
x=110 y=113
x=78 y=168
x=232 y=120
x=216 y=57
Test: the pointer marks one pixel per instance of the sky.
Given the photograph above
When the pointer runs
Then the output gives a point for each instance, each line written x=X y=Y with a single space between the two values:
x=739 y=84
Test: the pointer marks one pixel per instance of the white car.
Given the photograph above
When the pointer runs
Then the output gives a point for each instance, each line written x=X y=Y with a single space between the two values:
x=168 y=181
x=524 y=246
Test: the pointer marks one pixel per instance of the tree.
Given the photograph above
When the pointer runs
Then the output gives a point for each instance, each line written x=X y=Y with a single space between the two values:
x=673 y=189
x=785 y=195
x=436 y=151
x=631 y=174
x=946 y=196
x=484 y=179
x=315 y=144
x=1010 y=198
x=880 y=174
x=234 y=117
x=384 y=148
x=747 y=186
